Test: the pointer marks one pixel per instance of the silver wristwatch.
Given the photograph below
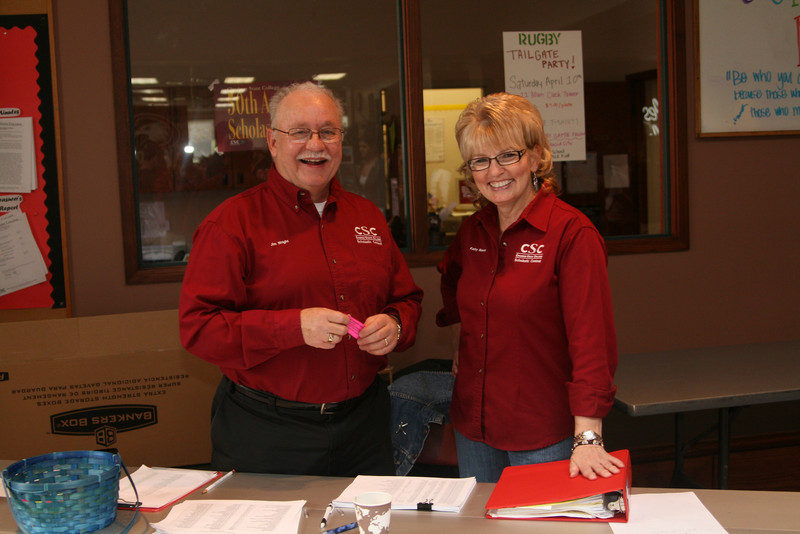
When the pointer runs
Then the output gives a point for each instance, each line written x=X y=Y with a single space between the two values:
x=587 y=437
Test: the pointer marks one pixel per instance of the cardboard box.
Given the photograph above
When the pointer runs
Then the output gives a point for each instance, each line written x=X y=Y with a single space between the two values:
x=108 y=382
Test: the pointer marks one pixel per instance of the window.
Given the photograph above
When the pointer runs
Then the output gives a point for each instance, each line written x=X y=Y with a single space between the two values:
x=190 y=132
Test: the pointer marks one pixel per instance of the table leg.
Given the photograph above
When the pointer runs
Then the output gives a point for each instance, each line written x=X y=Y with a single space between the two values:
x=724 y=447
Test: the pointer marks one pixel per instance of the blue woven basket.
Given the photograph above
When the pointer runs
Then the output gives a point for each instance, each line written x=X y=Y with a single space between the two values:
x=64 y=492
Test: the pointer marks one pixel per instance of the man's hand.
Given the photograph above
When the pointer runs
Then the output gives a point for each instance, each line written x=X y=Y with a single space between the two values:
x=379 y=335
x=323 y=328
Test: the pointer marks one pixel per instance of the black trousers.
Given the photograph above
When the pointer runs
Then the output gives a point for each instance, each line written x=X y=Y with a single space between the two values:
x=255 y=436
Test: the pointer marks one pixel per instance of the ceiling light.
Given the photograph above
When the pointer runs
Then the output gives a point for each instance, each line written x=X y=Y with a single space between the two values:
x=239 y=79
x=329 y=76
x=143 y=81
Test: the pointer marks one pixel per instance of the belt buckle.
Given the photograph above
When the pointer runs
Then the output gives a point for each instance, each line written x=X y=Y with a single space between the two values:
x=322 y=408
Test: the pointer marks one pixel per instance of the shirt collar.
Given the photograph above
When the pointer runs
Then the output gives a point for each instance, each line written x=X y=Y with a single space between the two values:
x=295 y=196
x=536 y=213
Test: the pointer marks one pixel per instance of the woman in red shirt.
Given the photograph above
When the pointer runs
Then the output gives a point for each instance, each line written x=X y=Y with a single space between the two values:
x=526 y=280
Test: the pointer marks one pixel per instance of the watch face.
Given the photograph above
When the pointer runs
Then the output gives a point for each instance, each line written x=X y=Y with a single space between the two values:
x=589 y=434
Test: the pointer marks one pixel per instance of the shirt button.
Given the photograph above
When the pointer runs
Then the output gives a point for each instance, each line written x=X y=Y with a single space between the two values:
x=296 y=207
x=341 y=297
x=482 y=336
x=352 y=377
x=480 y=371
x=505 y=243
x=482 y=304
x=334 y=260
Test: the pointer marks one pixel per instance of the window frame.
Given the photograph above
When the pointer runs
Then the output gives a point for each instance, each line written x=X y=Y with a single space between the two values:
x=418 y=252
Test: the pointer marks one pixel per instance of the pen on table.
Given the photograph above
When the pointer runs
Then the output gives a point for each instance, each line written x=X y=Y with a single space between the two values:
x=326 y=516
x=220 y=480
x=343 y=528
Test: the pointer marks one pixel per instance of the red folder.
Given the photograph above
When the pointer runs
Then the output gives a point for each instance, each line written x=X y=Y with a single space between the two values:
x=536 y=484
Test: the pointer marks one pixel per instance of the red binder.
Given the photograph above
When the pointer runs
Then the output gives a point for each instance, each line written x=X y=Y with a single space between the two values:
x=536 y=484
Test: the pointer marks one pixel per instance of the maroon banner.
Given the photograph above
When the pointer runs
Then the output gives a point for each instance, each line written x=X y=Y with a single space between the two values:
x=242 y=115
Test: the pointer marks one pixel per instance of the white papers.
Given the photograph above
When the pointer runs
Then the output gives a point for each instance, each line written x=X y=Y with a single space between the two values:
x=232 y=517
x=412 y=493
x=17 y=155
x=592 y=507
x=21 y=262
x=160 y=486
x=668 y=513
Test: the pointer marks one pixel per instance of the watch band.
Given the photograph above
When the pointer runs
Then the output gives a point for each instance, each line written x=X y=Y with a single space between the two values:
x=587 y=438
x=399 y=324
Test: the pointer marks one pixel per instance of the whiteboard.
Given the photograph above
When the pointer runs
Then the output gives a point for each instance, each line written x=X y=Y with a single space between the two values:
x=748 y=64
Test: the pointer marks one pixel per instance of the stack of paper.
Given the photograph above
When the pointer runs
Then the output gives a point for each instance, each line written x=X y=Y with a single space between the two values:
x=232 y=517
x=412 y=493
x=603 y=506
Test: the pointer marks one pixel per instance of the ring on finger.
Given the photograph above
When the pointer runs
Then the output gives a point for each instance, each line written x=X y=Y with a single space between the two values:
x=386 y=341
x=330 y=338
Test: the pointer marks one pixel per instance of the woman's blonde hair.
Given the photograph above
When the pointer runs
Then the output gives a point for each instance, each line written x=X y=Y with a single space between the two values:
x=503 y=119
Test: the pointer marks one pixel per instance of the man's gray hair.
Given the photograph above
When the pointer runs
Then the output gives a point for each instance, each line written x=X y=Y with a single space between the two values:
x=283 y=92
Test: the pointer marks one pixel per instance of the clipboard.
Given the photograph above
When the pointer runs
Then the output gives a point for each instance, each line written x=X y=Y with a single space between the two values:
x=548 y=483
x=166 y=487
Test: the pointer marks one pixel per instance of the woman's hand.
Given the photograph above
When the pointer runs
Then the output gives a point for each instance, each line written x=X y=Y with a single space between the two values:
x=592 y=461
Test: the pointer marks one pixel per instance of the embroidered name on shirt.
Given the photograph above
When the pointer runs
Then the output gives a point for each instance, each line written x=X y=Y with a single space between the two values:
x=475 y=249
x=276 y=243
x=365 y=234
x=529 y=253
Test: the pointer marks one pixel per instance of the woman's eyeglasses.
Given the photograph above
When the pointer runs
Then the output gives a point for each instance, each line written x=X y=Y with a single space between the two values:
x=504 y=159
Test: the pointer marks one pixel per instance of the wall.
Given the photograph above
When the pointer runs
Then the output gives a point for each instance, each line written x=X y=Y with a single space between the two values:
x=738 y=283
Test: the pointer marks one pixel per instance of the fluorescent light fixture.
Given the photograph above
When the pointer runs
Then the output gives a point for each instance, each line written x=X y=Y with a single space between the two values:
x=154 y=99
x=149 y=91
x=143 y=81
x=329 y=76
x=233 y=90
x=240 y=79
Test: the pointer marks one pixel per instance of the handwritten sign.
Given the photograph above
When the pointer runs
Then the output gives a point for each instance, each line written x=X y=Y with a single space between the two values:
x=749 y=65
x=547 y=68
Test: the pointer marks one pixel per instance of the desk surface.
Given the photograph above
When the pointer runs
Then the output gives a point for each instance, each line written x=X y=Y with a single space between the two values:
x=740 y=512
x=700 y=379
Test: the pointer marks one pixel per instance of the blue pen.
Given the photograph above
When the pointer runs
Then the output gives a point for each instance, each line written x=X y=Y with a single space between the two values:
x=343 y=528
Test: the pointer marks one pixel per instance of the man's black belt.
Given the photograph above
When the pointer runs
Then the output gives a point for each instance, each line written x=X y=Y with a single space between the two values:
x=326 y=408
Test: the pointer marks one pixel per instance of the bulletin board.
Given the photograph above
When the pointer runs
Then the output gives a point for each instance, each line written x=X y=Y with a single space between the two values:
x=748 y=67
x=33 y=274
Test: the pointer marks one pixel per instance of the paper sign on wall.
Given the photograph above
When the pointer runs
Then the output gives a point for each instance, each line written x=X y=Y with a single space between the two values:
x=547 y=68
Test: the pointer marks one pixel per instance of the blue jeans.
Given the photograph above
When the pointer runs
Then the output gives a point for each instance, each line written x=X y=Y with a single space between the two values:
x=486 y=463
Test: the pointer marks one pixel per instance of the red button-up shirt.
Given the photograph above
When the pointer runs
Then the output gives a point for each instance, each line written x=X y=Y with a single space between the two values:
x=265 y=254
x=538 y=344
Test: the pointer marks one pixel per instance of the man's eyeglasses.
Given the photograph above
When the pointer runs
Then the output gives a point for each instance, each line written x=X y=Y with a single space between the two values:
x=506 y=158
x=303 y=135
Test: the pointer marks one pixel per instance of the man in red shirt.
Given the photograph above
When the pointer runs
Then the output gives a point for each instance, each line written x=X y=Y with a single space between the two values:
x=278 y=281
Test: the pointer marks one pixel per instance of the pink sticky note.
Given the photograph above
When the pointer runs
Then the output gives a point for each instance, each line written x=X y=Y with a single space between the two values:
x=354 y=327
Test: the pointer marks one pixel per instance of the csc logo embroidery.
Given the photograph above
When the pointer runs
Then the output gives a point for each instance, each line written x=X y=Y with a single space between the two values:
x=530 y=253
x=531 y=248
x=367 y=235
